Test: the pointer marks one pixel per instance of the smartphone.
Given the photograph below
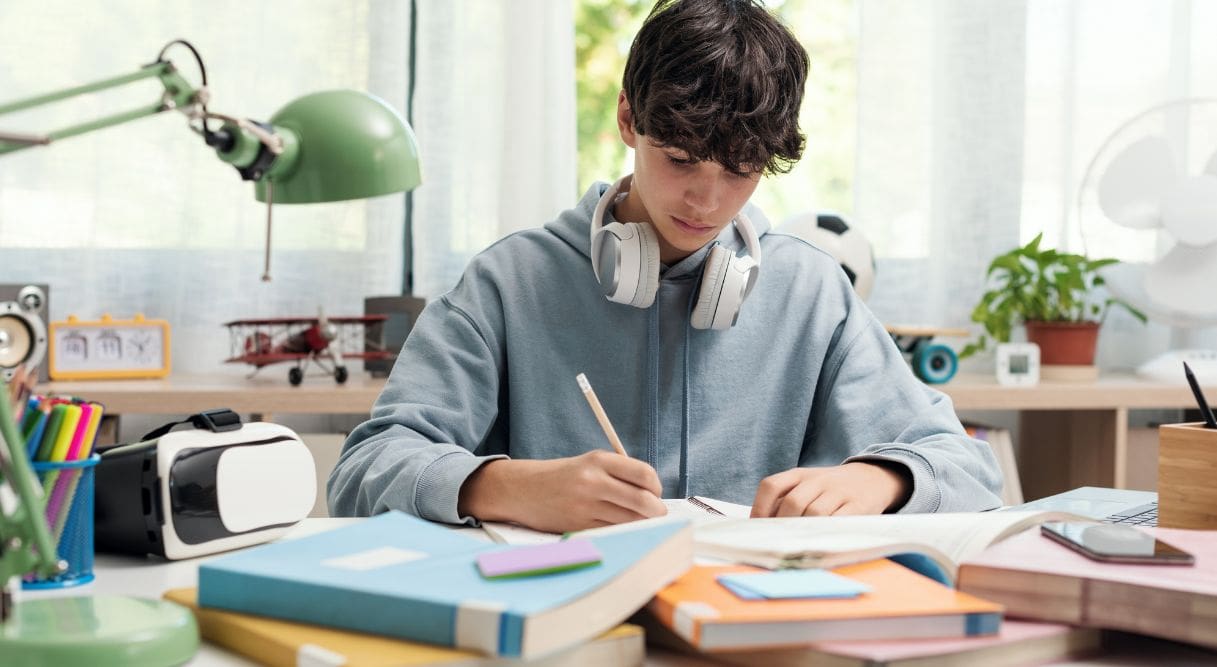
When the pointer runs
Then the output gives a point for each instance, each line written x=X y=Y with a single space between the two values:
x=1115 y=543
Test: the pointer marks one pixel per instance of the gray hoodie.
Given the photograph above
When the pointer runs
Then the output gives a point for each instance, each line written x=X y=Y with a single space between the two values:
x=807 y=377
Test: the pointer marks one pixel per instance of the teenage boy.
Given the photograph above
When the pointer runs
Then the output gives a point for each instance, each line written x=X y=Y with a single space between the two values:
x=733 y=361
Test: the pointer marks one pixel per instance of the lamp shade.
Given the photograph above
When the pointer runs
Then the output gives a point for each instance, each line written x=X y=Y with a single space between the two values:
x=341 y=144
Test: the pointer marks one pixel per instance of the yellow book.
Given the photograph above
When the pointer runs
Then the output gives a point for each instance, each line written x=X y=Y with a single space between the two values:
x=274 y=642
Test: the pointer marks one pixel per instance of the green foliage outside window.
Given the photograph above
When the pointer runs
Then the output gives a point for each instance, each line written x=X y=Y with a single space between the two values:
x=603 y=32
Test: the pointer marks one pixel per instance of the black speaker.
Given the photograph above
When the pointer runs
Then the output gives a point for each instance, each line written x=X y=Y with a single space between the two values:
x=401 y=311
x=24 y=311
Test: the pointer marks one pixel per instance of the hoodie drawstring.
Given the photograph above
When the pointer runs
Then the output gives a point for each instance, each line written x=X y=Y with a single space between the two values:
x=653 y=383
x=684 y=421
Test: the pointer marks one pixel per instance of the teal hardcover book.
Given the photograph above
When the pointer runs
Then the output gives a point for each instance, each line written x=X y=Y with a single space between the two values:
x=404 y=577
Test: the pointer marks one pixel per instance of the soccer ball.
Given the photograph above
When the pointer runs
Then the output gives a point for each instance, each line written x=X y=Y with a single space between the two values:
x=830 y=233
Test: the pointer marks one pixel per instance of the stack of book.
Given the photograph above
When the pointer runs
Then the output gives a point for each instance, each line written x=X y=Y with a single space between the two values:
x=1054 y=602
x=1039 y=579
x=394 y=589
x=944 y=589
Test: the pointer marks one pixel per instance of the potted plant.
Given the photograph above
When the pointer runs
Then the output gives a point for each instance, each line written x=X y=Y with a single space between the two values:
x=1054 y=294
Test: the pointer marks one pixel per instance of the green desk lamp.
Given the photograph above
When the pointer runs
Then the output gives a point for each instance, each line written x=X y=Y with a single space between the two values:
x=89 y=630
x=327 y=146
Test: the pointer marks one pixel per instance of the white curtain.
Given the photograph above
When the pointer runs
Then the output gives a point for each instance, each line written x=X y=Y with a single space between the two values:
x=494 y=109
x=143 y=217
x=976 y=121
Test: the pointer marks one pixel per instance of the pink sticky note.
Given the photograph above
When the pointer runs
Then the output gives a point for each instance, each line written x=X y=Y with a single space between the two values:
x=538 y=559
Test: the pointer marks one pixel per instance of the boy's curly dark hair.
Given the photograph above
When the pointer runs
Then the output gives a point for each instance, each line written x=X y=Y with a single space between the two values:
x=721 y=80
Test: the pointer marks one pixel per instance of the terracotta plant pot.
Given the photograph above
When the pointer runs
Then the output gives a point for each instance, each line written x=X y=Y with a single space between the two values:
x=1065 y=343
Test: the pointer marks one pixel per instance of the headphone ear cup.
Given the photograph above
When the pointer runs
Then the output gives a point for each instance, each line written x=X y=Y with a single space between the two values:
x=711 y=287
x=648 y=270
x=616 y=246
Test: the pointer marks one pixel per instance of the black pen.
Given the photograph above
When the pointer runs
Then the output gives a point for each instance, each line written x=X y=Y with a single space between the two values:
x=1205 y=410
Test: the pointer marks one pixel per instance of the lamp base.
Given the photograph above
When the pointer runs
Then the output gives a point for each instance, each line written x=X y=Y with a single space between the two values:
x=99 y=630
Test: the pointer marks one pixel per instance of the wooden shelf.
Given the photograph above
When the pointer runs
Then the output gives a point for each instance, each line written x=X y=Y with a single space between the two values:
x=1109 y=392
x=259 y=395
x=1071 y=434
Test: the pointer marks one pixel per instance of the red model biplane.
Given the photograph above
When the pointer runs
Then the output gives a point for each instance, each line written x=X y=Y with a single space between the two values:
x=325 y=341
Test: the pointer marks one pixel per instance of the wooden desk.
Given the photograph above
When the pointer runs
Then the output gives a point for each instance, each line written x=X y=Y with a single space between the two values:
x=1071 y=434
x=185 y=394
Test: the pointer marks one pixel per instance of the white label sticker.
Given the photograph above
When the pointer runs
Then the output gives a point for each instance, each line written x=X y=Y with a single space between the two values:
x=374 y=558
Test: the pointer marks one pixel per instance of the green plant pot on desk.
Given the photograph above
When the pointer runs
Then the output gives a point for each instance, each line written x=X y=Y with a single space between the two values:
x=1057 y=296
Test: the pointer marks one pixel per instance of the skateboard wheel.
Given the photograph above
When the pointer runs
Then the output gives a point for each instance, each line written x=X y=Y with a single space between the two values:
x=935 y=364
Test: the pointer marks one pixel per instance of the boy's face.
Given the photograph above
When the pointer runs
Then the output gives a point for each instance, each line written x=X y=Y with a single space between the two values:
x=687 y=202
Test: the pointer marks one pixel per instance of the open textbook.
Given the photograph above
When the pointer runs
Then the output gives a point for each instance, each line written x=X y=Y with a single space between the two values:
x=932 y=544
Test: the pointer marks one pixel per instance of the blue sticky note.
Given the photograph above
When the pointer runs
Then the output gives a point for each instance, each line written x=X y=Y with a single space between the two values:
x=792 y=584
x=740 y=592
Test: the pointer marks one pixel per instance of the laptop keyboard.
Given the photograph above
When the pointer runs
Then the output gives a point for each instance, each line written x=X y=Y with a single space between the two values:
x=1142 y=515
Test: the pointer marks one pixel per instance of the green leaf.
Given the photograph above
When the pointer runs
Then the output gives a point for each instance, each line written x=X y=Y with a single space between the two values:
x=1033 y=283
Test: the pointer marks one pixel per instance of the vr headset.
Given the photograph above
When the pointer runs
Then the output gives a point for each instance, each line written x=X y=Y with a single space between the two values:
x=218 y=486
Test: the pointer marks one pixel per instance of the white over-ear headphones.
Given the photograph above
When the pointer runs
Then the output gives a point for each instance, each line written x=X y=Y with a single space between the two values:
x=625 y=259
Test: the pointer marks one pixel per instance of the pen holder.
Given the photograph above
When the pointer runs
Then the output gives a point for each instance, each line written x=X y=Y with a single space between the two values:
x=68 y=488
x=1187 y=465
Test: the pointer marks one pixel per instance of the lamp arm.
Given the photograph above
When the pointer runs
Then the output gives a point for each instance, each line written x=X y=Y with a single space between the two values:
x=25 y=538
x=178 y=94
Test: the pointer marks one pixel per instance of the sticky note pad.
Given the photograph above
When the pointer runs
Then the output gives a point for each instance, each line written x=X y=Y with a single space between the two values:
x=538 y=559
x=792 y=584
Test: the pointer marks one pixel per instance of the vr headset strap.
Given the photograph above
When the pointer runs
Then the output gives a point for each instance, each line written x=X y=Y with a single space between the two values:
x=216 y=421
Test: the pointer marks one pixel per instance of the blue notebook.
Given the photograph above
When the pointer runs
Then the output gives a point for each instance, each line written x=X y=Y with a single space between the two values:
x=404 y=577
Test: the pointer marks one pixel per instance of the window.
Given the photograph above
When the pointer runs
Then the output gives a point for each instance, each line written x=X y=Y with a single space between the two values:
x=143 y=217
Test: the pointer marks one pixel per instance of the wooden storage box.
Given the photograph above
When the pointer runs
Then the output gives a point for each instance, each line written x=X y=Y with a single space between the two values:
x=1187 y=476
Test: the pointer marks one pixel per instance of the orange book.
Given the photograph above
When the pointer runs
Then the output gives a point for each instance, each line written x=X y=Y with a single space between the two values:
x=901 y=604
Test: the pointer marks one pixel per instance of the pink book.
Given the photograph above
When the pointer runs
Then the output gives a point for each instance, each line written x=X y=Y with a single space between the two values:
x=1018 y=643
x=1037 y=578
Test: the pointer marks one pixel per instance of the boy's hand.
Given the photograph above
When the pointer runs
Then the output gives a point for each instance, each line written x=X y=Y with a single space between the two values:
x=853 y=488
x=559 y=495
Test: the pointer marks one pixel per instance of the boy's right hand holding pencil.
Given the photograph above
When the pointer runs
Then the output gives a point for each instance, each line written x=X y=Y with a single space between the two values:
x=595 y=489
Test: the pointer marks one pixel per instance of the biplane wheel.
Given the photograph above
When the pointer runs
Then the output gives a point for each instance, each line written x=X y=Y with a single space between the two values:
x=295 y=376
x=340 y=374
x=935 y=364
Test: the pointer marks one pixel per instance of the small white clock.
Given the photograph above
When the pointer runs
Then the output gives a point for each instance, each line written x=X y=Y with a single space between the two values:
x=1018 y=364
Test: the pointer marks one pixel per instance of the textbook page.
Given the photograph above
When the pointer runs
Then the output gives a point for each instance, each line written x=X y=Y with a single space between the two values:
x=837 y=540
x=510 y=533
x=678 y=508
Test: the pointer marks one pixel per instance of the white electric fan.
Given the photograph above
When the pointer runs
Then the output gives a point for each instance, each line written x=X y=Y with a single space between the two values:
x=1149 y=199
